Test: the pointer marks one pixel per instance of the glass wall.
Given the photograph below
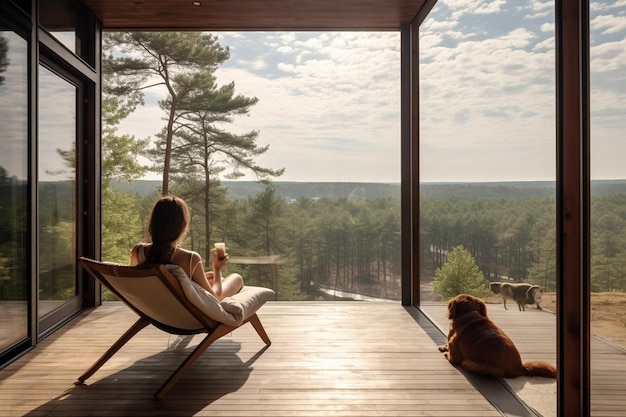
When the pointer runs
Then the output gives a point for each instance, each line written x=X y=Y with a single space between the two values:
x=14 y=242
x=57 y=190
x=328 y=113
x=488 y=171
x=67 y=21
x=608 y=203
x=46 y=110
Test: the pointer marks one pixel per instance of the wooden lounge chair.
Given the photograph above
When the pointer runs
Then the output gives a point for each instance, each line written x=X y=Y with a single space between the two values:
x=164 y=296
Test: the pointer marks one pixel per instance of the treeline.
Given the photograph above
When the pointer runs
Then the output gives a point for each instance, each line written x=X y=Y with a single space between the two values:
x=340 y=243
x=349 y=244
x=353 y=244
x=515 y=239
x=286 y=189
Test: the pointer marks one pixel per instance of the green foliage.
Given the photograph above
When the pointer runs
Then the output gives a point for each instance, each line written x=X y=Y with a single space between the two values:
x=265 y=231
x=460 y=275
x=345 y=242
x=542 y=244
x=337 y=243
x=119 y=156
x=4 y=60
x=122 y=226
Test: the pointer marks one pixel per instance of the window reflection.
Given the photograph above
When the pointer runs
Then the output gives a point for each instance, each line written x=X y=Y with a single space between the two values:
x=66 y=21
x=57 y=228
x=13 y=189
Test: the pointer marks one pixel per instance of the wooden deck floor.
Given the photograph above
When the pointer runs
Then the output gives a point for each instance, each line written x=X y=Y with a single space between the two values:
x=326 y=359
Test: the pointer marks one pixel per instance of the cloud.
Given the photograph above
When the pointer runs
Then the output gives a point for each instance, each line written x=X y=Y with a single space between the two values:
x=338 y=107
x=608 y=24
x=487 y=100
x=329 y=102
x=459 y=8
x=14 y=108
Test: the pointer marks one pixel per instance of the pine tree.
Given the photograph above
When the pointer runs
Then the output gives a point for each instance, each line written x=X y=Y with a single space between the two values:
x=460 y=275
x=182 y=62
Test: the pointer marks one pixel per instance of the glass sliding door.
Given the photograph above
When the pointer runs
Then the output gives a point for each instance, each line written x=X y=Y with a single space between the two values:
x=14 y=275
x=488 y=172
x=58 y=292
x=608 y=203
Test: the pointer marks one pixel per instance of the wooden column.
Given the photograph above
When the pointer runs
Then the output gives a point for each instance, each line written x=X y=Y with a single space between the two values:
x=411 y=156
x=573 y=203
x=406 y=165
x=415 y=164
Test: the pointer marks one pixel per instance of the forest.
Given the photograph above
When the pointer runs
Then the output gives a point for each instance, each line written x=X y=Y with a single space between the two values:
x=353 y=244
x=350 y=243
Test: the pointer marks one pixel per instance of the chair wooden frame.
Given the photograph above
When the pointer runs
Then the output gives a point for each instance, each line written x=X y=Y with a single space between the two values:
x=214 y=329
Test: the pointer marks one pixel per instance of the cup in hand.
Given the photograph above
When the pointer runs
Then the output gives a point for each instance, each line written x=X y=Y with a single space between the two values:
x=220 y=250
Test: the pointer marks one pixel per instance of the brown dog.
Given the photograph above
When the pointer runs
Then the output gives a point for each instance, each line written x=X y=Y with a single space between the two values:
x=476 y=344
x=520 y=292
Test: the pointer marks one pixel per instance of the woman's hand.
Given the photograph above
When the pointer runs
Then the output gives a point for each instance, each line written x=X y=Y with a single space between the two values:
x=219 y=259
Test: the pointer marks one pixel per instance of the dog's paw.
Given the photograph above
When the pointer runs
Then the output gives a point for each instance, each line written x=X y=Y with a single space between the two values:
x=443 y=348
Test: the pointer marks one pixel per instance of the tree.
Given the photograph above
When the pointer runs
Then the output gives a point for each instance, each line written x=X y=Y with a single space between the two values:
x=182 y=62
x=119 y=152
x=193 y=147
x=122 y=225
x=265 y=232
x=4 y=61
x=543 y=245
x=121 y=216
x=460 y=274
x=201 y=149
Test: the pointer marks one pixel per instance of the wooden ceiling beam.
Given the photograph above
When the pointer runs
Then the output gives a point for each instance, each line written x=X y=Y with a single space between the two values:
x=255 y=15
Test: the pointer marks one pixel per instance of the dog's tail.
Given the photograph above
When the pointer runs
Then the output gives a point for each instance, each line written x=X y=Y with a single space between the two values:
x=539 y=369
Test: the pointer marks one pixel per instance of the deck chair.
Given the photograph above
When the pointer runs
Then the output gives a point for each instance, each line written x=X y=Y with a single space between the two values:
x=164 y=296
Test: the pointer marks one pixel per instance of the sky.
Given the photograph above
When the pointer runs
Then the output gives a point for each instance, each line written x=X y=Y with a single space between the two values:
x=329 y=102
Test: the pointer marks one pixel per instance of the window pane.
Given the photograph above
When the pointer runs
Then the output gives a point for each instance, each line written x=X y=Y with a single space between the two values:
x=56 y=166
x=14 y=277
x=328 y=111
x=487 y=166
x=608 y=200
x=67 y=21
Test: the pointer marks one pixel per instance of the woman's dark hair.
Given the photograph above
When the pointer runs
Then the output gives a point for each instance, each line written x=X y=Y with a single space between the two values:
x=168 y=225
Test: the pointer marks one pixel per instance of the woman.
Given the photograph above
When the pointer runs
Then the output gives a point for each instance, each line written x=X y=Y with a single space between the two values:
x=168 y=226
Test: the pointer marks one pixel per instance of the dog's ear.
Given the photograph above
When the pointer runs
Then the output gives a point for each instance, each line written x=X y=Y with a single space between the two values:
x=483 y=307
x=452 y=309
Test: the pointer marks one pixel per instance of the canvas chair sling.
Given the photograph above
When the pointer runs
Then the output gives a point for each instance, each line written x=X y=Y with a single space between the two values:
x=164 y=305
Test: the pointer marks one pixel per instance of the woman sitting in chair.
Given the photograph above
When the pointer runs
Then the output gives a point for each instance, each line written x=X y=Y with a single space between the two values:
x=168 y=226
